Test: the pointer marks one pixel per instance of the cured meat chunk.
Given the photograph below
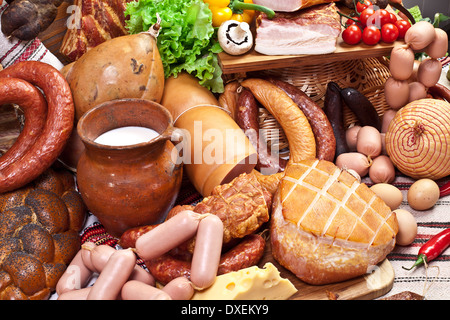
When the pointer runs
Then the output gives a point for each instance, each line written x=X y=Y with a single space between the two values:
x=307 y=31
x=92 y=23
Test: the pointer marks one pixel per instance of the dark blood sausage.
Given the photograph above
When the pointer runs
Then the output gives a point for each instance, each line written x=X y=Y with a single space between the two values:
x=440 y=91
x=57 y=129
x=245 y=254
x=247 y=120
x=34 y=107
x=320 y=125
x=363 y=109
x=333 y=108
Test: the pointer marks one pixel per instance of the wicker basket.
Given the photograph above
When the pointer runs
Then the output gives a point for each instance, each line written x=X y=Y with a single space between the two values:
x=366 y=75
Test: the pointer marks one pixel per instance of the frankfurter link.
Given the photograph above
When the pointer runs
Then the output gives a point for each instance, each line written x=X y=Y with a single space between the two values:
x=136 y=290
x=80 y=294
x=57 y=129
x=34 y=107
x=208 y=247
x=76 y=275
x=179 y=289
x=245 y=254
x=168 y=235
x=320 y=125
x=114 y=275
x=102 y=253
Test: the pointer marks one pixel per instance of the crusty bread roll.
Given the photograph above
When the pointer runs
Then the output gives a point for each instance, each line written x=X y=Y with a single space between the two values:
x=327 y=227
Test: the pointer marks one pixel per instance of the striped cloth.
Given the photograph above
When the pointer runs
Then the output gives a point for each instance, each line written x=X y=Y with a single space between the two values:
x=432 y=282
x=13 y=50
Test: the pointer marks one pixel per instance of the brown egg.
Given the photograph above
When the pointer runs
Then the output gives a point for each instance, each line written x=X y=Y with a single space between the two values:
x=423 y=194
x=407 y=227
x=389 y=193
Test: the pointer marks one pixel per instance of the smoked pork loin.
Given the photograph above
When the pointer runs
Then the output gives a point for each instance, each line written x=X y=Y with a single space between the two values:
x=313 y=30
x=328 y=227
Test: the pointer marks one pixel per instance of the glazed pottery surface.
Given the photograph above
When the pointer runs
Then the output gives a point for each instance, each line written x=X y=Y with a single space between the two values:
x=132 y=185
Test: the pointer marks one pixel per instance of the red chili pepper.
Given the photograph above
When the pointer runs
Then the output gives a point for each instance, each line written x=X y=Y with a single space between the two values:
x=433 y=248
x=444 y=190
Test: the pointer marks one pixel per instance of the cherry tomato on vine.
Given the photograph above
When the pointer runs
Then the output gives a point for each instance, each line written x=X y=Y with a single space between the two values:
x=389 y=33
x=365 y=14
x=379 y=18
x=402 y=26
x=392 y=17
x=352 y=34
x=363 y=4
x=371 y=35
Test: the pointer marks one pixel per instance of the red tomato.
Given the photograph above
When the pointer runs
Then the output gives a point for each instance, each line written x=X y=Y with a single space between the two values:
x=402 y=26
x=366 y=14
x=389 y=33
x=352 y=34
x=371 y=35
x=379 y=18
x=392 y=17
x=362 y=4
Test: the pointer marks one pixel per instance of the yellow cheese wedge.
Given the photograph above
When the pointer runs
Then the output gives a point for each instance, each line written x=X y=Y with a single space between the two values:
x=251 y=283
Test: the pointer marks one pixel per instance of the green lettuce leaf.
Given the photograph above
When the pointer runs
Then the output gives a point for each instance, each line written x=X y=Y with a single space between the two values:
x=186 y=39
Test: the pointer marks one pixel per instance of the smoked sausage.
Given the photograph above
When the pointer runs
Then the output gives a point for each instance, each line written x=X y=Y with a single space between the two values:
x=363 y=109
x=333 y=108
x=320 y=125
x=32 y=102
x=247 y=120
x=57 y=129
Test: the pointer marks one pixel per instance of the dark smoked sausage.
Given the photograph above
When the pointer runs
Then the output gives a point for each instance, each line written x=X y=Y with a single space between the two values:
x=247 y=120
x=320 y=125
x=333 y=108
x=245 y=254
x=34 y=107
x=57 y=129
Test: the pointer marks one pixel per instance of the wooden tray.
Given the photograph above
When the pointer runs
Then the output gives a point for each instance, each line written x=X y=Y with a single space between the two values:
x=366 y=287
x=369 y=286
x=254 y=61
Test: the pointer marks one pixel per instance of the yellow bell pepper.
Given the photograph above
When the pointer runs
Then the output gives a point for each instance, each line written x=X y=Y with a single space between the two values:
x=239 y=10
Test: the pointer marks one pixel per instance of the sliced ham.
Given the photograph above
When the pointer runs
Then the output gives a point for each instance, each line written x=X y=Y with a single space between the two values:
x=307 y=31
x=289 y=5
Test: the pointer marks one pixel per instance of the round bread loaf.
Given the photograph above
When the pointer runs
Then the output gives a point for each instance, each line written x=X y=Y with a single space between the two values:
x=328 y=227
x=39 y=235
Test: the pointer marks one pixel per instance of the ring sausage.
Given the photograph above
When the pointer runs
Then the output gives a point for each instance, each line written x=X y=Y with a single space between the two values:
x=247 y=120
x=320 y=125
x=32 y=102
x=245 y=254
x=57 y=129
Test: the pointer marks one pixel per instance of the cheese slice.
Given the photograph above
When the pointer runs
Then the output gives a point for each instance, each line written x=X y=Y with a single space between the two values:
x=251 y=283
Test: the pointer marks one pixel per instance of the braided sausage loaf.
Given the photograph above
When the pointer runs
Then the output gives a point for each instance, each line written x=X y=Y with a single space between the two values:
x=39 y=226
